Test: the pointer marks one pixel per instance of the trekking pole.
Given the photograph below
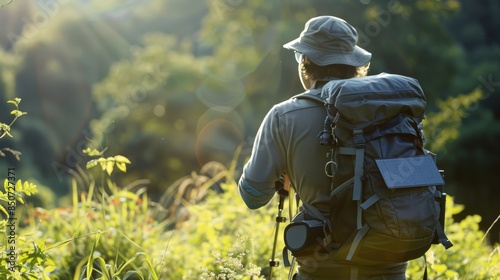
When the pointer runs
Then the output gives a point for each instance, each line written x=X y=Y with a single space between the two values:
x=279 y=186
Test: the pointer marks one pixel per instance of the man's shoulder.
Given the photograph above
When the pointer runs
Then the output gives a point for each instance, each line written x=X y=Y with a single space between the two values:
x=302 y=101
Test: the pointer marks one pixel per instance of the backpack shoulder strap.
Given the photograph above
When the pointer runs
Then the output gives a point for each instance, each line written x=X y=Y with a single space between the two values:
x=311 y=94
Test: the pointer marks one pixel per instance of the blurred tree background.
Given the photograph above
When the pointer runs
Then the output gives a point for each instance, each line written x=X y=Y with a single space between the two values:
x=174 y=84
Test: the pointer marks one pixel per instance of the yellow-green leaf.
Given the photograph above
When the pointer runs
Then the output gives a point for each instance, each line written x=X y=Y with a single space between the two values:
x=91 y=164
x=102 y=161
x=109 y=167
x=59 y=244
x=92 y=152
x=19 y=186
x=29 y=188
x=4 y=210
x=440 y=268
x=120 y=158
x=48 y=269
x=32 y=188
x=121 y=166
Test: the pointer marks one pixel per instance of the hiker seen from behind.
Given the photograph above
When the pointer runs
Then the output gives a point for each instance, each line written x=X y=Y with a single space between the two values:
x=368 y=189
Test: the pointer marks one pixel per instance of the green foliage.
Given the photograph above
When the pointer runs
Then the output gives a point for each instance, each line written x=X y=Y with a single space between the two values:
x=442 y=127
x=22 y=256
x=471 y=257
x=224 y=239
x=97 y=268
x=149 y=104
x=107 y=164
x=179 y=95
x=5 y=128
x=110 y=234
x=172 y=100
x=118 y=235
x=234 y=264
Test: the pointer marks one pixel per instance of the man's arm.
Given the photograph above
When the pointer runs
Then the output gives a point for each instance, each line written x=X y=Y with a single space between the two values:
x=266 y=164
x=253 y=198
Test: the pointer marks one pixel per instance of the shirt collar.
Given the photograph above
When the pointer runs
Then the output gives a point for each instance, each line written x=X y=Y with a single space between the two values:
x=321 y=82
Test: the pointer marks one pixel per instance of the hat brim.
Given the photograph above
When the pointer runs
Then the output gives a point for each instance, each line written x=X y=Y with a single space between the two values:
x=358 y=57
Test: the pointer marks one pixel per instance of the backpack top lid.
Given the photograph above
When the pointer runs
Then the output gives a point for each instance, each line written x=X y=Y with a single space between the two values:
x=374 y=98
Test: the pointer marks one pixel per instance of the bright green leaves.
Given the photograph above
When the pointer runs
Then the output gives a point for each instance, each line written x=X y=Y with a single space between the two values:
x=442 y=127
x=15 y=101
x=26 y=188
x=5 y=128
x=92 y=152
x=15 y=192
x=469 y=258
x=121 y=162
x=107 y=164
x=16 y=112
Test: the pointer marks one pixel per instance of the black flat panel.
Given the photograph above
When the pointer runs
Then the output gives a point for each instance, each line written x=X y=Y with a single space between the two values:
x=410 y=172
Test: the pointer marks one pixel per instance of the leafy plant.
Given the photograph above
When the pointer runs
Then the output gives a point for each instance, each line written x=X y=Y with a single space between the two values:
x=22 y=256
x=5 y=128
x=107 y=164
x=115 y=233
x=469 y=258
x=224 y=239
x=107 y=234
x=442 y=127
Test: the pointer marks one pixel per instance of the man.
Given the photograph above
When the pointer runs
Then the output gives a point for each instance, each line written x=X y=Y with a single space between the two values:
x=286 y=143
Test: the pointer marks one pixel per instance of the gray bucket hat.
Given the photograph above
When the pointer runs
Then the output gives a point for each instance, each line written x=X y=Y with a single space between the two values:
x=330 y=40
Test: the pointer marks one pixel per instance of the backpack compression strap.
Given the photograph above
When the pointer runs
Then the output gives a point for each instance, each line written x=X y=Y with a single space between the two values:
x=360 y=143
x=359 y=152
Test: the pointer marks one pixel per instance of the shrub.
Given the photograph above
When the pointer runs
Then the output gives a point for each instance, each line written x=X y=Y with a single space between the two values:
x=469 y=258
x=222 y=239
x=116 y=233
x=21 y=255
x=109 y=233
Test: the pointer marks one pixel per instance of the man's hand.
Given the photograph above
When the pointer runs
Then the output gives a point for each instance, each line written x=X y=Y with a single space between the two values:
x=282 y=186
x=286 y=182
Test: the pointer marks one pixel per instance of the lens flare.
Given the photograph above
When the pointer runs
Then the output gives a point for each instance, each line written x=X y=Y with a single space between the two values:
x=218 y=136
x=221 y=95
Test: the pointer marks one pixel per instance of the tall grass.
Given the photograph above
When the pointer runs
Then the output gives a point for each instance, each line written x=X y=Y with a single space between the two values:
x=117 y=233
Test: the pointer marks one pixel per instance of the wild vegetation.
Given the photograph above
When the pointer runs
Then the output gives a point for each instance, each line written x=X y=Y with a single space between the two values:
x=200 y=230
x=121 y=234
x=141 y=114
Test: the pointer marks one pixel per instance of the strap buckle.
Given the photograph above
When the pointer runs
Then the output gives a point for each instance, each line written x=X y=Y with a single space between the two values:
x=359 y=138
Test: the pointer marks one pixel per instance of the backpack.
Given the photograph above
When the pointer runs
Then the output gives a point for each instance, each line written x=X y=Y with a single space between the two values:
x=387 y=199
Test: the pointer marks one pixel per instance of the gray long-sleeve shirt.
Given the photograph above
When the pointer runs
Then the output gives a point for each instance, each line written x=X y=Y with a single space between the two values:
x=287 y=142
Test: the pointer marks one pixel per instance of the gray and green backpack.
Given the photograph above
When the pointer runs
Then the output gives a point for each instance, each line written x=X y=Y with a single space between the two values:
x=387 y=199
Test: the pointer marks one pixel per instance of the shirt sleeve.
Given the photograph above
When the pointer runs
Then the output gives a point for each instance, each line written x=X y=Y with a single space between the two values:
x=266 y=164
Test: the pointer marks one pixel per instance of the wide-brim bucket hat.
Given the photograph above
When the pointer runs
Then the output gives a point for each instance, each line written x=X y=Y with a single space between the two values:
x=330 y=40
